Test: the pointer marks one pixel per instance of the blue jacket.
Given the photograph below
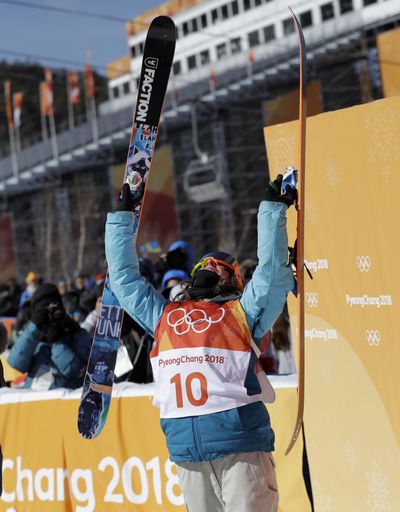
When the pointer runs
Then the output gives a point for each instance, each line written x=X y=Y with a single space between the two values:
x=67 y=357
x=243 y=429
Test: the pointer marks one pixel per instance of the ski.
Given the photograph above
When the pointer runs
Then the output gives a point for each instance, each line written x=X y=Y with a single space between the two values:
x=158 y=55
x=300 y=231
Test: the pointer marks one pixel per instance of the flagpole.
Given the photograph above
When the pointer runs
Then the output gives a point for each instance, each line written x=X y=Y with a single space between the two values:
x=14 y=161
x=53 y=135
x=94 y=121
x=17 y=140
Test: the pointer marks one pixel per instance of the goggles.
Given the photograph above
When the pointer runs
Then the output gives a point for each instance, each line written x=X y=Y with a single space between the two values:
x=225 y=261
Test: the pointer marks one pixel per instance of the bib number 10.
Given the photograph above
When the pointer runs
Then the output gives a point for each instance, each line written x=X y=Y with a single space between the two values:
x=193 y=378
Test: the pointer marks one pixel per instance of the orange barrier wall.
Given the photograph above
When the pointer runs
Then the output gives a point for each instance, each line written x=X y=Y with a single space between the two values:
x=49 y=467
x=352 y=415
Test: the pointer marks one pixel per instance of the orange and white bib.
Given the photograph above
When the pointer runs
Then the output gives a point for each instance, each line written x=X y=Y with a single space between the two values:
x=200 y=358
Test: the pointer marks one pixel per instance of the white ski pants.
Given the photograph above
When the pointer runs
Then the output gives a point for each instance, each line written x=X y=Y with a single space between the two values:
x=243 y=482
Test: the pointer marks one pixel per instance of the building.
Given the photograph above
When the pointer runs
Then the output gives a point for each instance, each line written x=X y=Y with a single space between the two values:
x=235 y=69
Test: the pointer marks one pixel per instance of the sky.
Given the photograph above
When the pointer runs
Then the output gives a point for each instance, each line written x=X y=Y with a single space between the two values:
x=26 y=32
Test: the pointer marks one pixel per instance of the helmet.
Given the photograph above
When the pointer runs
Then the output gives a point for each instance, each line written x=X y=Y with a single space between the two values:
x=224 y=260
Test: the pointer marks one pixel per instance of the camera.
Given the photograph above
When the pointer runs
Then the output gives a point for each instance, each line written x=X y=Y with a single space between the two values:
x=56 y=312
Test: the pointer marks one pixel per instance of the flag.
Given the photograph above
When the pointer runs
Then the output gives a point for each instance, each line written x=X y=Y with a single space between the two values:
x=74 y=89
x=17 y=99
x=251 y=56
x=89 y=81
x=7 y=94
x=46 y=100
x=46 y=94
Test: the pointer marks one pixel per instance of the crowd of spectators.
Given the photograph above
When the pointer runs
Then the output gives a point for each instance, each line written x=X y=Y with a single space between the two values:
x=55 y=323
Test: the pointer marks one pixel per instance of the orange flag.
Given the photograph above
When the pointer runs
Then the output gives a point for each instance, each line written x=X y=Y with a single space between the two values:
x=7 y=94
x=18 y=98
x=46 y=94
x=74 y=89
x=89 y=81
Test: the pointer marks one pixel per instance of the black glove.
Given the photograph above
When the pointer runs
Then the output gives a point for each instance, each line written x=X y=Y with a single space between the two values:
x=126 y=202
x=274 y=192
x=41 y=319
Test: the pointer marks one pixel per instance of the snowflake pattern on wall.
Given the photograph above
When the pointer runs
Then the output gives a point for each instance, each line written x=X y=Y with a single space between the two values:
x=311 y=212
x=378 y=493
x=322 y=501
x=282 y=151
x=332 y=175
x=382 y=139
x=350 y=454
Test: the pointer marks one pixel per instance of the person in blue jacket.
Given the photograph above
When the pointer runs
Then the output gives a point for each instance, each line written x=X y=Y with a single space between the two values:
x=53 y=349
x=217 y=427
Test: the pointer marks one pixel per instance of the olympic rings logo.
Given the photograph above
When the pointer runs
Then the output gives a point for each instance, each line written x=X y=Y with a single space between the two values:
x=364 y=263
x=373 y=337
x=312 y=299
x=196 y=319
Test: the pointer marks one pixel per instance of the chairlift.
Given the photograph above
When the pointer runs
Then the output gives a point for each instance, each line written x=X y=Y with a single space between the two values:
x=203 y=180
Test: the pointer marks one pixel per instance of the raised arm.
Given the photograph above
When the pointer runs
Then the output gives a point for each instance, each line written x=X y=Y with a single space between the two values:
x=136 y=296
x=265 y=294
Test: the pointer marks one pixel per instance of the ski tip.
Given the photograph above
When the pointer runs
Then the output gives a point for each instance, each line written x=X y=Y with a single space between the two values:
x=83 y=432
x=163 y=22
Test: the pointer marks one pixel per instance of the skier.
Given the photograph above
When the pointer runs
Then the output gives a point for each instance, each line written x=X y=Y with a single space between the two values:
x=217 y=428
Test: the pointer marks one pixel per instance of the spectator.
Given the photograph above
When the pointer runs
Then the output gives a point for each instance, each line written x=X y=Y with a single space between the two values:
x=172 y=280
x=7 y=306
x=53 y=349
x=178 y=257
x=32 y=282
x=62 y=286
x=15 y=291
x=79 y=284
x=217 y=429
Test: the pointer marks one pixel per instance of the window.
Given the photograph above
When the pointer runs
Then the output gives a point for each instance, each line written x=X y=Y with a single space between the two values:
x=288 y=26
x=254 y=38
x=126 y=87
x=235 y=8
x=195 y=27
x=214 y=16
x=116 y=92
x=185 y=28
x=257 y=2
x=191 y=62
x=203 y=20
x=269 y=33
x=306 y=19
x=345 y=6
x=246 y=5
x=369 y=2
x=138 y=49
x=327 y=11
x=236 y=45
x=224 y=10
x=177 y=68
x=221 y=51
x=137 y=82
x=204 y=57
